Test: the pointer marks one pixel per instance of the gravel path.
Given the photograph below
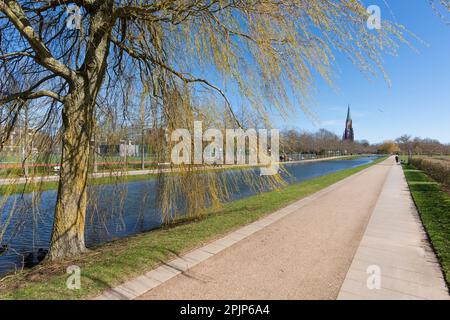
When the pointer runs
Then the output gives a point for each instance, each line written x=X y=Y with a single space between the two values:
x=305 y=255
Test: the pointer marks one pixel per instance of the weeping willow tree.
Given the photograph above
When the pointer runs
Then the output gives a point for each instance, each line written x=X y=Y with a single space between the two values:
x=70 y=56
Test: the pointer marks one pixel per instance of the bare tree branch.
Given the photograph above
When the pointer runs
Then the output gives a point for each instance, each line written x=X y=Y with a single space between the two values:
x=29 y=94
x=43 y=56
x=14 y=54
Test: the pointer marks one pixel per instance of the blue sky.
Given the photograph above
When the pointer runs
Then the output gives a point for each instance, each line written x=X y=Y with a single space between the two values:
x=418 y=100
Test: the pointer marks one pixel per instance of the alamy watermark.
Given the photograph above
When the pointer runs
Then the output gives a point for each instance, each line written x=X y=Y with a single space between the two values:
x=73 y=281
x=210 y=147
x=74 y=17
x=374 y=19
x=374 y=280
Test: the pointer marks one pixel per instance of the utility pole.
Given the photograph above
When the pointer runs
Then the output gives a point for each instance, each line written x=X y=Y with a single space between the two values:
x=142 y=148
x=142 y=118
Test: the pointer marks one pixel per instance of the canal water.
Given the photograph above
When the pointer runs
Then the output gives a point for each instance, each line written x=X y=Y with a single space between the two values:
x=119 y=210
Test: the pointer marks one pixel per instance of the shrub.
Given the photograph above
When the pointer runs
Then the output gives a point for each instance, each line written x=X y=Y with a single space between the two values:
x=438 y=169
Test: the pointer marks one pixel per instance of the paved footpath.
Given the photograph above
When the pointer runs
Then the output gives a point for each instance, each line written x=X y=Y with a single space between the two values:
x=303 y=251
x=394 y=258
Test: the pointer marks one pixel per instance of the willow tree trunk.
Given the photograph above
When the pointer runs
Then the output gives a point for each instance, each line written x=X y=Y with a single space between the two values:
x=78 y=127
x=68 y=229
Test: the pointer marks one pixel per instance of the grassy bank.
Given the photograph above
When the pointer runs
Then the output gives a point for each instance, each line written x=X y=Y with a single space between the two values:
x=111 y=264
x=433 y=204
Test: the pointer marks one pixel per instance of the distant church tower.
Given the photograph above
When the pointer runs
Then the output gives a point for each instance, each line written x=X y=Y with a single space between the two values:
x=348 y=133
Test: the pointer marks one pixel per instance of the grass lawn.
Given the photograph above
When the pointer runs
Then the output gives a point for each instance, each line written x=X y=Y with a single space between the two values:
x=433 y=204
x=113 y=263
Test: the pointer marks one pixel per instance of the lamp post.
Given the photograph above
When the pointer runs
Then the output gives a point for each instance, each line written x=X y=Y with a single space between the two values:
x=94 y=155
x=26 y=133
x=31 y=134
x=142 y=149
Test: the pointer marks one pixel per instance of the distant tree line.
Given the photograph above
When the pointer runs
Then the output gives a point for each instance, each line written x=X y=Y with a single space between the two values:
x=419 y=146
x=321 y=143
x=324 y=141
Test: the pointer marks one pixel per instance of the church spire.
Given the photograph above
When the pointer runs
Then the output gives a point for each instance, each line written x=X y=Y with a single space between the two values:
x=348 y=133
